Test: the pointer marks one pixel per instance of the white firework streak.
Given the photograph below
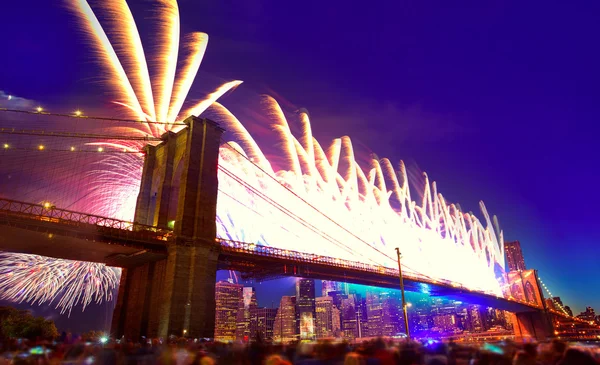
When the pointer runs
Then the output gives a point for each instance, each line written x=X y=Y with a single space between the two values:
x=38 y=279
x=340 y=211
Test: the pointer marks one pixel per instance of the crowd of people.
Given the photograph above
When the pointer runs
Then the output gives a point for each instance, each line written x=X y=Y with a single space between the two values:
x=376 y=352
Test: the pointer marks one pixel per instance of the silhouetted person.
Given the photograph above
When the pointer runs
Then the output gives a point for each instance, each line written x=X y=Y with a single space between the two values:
x=576 y=357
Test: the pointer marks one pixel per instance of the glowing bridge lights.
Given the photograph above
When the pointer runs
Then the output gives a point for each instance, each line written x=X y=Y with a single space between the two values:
x=100 y=149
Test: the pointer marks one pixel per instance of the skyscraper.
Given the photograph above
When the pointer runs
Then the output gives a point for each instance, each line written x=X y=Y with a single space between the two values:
x=476 y=323
x=444 y=322
x=329 y=286
x=324 y=317
x=262 y=323
x=391 y=309
x=305 y=307
x=349 y=319
x=284 y=328
x=228 y=297
x=336 y=324
x=374 y=313
x=244 y=315
x=514 y=256
x=383 y=312
x=362 y=315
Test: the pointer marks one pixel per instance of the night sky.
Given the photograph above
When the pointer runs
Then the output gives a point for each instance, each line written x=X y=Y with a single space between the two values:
x=496 y=100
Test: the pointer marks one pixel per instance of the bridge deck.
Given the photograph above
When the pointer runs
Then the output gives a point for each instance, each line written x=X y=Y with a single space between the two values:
x=43 y=230
x=267 y=262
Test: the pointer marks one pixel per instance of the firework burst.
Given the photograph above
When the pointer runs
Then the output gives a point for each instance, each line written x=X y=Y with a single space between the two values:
x=37 y=279
x=113 y=185
x=320 y=200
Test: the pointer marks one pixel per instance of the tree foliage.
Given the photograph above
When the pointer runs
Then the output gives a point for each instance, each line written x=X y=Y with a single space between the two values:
x=15 y=323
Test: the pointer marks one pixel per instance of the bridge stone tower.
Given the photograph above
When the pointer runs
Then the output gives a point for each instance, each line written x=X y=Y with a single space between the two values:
x=175 y=296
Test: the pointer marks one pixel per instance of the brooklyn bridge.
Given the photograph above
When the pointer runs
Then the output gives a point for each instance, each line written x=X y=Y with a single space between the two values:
x=198 y=207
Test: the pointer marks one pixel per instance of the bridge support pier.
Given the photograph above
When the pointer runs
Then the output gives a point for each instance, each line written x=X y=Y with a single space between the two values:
x=176 y=295
x=535 y=325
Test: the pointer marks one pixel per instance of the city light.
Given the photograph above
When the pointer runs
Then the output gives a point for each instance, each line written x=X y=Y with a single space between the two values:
x=72 y=148
x=6 y=145
x=103 y=340
x=41 y=147
x=47 y=205
x=78 y=113
x=39 y=109
x=100 y=149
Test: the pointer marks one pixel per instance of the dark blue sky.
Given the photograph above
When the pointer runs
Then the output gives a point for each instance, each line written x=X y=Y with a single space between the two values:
x=496 y=100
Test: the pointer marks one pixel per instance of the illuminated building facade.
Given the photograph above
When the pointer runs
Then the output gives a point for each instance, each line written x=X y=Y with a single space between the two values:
x=445 y=322
x=244 y=315
x=589 y=315
x=336 y=322
x=228 y=297
x=324 y=317
x=391 y=309
x=349 y=320
x=374 y=313
x=514 y=256
x=383 y=313
x=285 y=321
x=262 y=323
x=328 y=286
x=474 y=319
x=305 y=308
x=362 y=315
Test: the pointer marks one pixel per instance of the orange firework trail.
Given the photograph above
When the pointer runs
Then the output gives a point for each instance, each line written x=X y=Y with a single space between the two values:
x=38 y=279
x=134 y=89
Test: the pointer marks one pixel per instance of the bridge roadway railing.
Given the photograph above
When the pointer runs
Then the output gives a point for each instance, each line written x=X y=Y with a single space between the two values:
x=51 y=214
x=254 y=249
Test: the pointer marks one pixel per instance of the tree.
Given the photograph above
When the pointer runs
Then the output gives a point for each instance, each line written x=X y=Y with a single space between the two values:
x=22 y=324
x=92 y=336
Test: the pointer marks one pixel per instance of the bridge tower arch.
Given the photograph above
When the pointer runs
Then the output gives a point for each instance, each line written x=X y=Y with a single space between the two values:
x=175 y=295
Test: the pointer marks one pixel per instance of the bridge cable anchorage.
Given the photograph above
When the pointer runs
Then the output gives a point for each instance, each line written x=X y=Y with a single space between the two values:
x=77 y=115
x=392 y=259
